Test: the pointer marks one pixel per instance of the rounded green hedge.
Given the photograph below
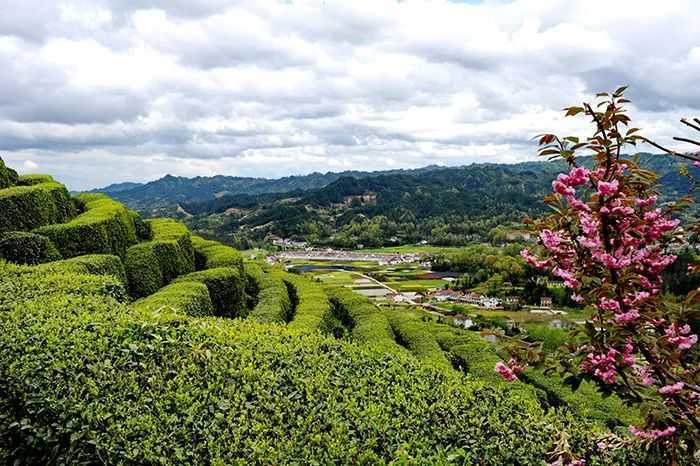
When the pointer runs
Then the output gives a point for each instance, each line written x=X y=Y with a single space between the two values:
x=20 y=283
x=95 y=264
x=313 y=310
x=28 y=180
x=226 y=288
x=188 y=298
x=143 y=270
x=24 y=208
x=272 y=302
x=144 y=232
x=212 y=254
x=106 y=227
x=8 y=177
x=168 y=230
x=89 y=381
x=21 y=247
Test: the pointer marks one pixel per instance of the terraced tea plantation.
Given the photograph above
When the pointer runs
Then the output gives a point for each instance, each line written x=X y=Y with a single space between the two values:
x=131 y=341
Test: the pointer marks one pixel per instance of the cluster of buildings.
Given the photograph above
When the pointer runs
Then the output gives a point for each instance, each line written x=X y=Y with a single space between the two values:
x=474 y=299
x=335 y=255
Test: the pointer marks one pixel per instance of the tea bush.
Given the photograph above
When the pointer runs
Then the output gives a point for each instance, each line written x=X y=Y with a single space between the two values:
x=106 y=227
x=154 y=264
x=414 y=335
x=95 y=264
x=212 y=254
x=21 y=247
x=143 y=270
x=28 y=180
x=8 y=177
x=313 y=310
x=187 y=298
x=24 y=208
x=86 y=380
x=144 y=232
x=367 y=323
x=20 y=282
x=226 y=289
x=273 y=302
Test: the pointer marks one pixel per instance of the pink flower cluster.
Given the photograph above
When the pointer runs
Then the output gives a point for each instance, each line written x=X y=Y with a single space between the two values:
x=509 y=372
x=670 y=390
x=653 y=434
x=680 y=336
x=605 y=366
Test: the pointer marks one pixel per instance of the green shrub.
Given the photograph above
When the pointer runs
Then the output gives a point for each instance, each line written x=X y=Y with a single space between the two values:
x=23 y=208
x=273 y=302
x=143 y=270
x=106 y=227
x=154 y=264
x=8 y=177
x=87 y=381
x=585 y=402
x=212 y=254
x=165 y=229
x=226 y=289
x=188 y=298
x=95 y=264
x=415 y=335
x=313 y=309
x=367 y=323
x=144 y=232
x=19 y=283
x=21 y=247
x=28 y=180
x=551 y=338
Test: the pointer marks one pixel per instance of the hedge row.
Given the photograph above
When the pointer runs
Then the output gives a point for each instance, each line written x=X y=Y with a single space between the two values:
x=24 y=208
x=187 y=298
x=85 y=380
x=144 y=232
x=226 y=288
x=8 y=177
x=367 y=323
x=28 y=180
x=21 y=247
x=20 y=282
x=106 y=227
x=212 y=254
x=313 y=310
x=94 y=264
x=414 y=335
x=152 y=265
x=273 y=303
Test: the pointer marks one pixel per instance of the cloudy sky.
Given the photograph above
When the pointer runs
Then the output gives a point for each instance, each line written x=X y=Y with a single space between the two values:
x=98 y=91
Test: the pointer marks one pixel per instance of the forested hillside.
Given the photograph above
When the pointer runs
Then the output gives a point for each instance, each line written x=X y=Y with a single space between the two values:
x=126 y=341
x=447 y=206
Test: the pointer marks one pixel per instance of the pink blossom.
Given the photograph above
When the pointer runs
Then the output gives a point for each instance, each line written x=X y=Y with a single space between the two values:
x=569 y=278
x=577 y=298
x=608 y=304
x=696 y=164
x=645 y=375
x=674 y=389
x=505 y=372
x=606 y=188
x=627 y=317
x=680 y=336
x=649 y=201
x=653 y=434
x=562 y=188
x=532 y=260
x=601 y=365
x=578 y=204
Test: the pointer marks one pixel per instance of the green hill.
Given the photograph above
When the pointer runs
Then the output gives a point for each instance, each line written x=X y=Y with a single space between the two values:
x=127 y=341
x=444 y=206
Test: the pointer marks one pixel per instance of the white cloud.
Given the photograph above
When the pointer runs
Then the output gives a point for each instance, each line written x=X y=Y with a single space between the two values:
x=110 y=90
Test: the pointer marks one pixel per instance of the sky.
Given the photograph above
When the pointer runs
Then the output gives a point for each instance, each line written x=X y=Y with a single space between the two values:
x=102 y=91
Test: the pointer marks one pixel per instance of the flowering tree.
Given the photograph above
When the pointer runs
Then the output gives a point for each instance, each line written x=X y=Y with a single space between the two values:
x=609 y=240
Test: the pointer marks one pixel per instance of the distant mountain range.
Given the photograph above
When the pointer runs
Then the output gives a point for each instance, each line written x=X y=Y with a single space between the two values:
x=451 y=206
